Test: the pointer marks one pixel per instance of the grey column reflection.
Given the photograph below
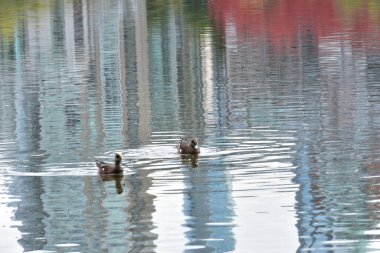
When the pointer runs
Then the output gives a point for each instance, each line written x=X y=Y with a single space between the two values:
x=208 y=204
x=186 y=51
x=118 y=214
x=30 y=157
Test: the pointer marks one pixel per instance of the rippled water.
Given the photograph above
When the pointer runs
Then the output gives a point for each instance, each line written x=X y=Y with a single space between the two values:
x=282 y=95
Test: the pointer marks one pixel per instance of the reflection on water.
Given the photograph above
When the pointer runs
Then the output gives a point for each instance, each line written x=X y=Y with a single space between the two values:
x=114 y=178
x=284 y=102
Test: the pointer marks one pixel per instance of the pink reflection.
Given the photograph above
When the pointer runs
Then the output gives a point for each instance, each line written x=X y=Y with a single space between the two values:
x=282 y=21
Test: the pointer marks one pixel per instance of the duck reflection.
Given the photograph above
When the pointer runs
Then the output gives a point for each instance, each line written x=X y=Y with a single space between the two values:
x=190 y=160
x=113 y=216
x=209 y=206
x=114 y=177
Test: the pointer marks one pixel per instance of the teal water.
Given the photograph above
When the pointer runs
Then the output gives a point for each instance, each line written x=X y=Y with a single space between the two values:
x=282 y=95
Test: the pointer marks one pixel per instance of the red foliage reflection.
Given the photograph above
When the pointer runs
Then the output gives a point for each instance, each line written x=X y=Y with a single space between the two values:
x=282 y=20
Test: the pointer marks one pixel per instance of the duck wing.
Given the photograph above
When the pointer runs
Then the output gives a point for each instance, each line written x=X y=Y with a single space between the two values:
x=100 y=164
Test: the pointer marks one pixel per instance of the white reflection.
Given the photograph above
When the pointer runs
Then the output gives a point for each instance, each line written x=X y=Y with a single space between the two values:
x=373 y=245
x=8 y=225
x=207 y=74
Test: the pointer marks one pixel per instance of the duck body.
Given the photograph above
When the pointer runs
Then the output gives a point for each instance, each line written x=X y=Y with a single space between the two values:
x=188 y=146
x=111 y=168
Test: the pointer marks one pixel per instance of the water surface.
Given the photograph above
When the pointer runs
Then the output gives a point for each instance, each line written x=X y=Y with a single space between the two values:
x=282 y=95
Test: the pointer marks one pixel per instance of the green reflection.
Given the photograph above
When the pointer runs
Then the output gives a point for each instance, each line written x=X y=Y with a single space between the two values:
x=195 y=13
x=14 y=12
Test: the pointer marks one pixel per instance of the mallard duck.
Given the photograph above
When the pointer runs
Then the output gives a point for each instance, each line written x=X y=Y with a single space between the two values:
x=188 y=145
x=111 y=168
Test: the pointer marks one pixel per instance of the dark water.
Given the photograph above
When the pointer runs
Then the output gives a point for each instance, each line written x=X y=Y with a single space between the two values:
x=284 y=97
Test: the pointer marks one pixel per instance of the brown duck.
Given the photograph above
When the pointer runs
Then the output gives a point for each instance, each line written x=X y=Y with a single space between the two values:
x=111 y=168
x=188 y=145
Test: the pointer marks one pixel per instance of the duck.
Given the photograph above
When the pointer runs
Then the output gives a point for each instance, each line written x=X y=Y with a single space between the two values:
x=111 y=168
x=189 y=146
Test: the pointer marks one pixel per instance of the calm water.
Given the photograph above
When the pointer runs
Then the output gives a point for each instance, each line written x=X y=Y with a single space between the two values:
x=284 y=97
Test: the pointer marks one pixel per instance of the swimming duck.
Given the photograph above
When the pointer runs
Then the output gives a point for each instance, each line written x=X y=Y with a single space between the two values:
x=188 y=145
x=111 y=168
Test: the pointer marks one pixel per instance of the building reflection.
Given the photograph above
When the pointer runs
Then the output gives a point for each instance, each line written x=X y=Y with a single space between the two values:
x=119 y=221
x=196 y=100
x=140 y=212
x=208 y=206
x=291 y=56
x=83 y=78
x=27 y=135
x=91 y=92
x=76 y=114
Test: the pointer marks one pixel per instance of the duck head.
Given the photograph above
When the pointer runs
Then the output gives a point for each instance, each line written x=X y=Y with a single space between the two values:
x=194 y=143
x=118 y=157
